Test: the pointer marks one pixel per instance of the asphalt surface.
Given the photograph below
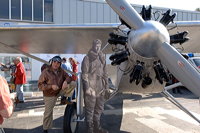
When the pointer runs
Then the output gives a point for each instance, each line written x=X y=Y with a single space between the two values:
x=124 y=113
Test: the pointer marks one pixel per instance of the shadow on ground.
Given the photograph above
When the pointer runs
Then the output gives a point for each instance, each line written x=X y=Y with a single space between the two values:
x=57 y=128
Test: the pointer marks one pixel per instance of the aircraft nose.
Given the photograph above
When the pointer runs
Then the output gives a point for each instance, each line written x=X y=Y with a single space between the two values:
x=144 y=41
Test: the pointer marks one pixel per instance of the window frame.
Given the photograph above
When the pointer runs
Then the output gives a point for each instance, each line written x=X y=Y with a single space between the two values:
x=22 y=18
x=12 y=12
x=7 y=16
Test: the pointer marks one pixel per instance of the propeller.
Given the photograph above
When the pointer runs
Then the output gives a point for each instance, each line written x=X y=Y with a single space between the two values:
x=179 y=67
x=127 y=13
x=150 y=39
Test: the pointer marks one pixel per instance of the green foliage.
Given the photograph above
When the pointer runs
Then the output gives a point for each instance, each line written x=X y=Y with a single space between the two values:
x=197 y=9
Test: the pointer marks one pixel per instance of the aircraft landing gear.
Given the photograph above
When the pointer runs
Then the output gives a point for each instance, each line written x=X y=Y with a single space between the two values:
x=70 y=124
x=169 y=97
x=74 y=112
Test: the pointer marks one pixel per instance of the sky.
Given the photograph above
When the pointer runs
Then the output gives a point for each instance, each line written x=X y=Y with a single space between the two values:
x=176 y=4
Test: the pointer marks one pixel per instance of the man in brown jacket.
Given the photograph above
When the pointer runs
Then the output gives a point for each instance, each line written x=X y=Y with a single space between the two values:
x=51 y=81
x=95 y=83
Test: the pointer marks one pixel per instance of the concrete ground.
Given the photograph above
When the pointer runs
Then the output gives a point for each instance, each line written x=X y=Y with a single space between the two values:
x=124 y=113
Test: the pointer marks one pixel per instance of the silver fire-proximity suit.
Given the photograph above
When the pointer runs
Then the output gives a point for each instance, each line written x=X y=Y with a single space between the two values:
x=95 y=83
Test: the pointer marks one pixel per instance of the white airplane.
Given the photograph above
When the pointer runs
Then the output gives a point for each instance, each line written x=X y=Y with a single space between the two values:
x=143 y=52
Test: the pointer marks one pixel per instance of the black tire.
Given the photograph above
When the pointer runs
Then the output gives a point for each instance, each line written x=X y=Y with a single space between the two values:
x=69 y=125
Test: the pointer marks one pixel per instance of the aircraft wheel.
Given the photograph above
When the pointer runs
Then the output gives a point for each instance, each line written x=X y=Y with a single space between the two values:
x=69 y=125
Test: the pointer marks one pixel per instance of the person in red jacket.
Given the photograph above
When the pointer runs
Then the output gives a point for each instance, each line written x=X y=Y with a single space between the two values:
x=74 y=65
x=20 y=79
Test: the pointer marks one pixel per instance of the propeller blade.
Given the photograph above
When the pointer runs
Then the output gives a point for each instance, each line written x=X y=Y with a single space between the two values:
x=127 y=13
x=179 y=67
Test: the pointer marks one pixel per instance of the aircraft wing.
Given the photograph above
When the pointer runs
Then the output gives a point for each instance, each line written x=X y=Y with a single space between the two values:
x=193 y=28
x=66 y=39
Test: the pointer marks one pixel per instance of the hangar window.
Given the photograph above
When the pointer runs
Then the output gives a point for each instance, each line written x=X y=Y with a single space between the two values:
x=27 y=10
x=38 y=10
x=15 y=9
x=4 y=9
x=31 y=10
x=48 y=10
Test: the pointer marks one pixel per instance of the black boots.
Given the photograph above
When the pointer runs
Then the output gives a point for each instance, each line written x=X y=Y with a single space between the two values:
x=45 y=131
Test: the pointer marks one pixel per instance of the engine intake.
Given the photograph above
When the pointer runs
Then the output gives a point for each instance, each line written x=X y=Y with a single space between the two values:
x=146 y=81
x=146 y=13
x=179 y=38
x=117 y=39
x=136 y=74
x=118 y=58
x=166 y=19
x=161 y=74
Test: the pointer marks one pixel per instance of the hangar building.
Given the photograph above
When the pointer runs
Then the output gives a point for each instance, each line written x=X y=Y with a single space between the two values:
x=14 y=12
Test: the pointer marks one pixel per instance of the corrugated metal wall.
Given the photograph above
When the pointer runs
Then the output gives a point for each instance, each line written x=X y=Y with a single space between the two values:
x=80 y=11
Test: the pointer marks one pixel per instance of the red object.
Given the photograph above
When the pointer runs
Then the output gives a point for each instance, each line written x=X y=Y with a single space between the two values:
x=20 y=74
x=122 y=8
x=180 y=63
x=74 y=69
